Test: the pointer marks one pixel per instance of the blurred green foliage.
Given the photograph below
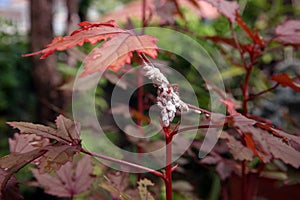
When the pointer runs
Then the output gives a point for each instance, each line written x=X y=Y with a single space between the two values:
x=17 y=98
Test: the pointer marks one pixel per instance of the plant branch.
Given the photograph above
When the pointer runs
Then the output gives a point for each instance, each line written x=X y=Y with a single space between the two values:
x=245 y=90
x=201 y=110
x=159 y=174
x=169 y=168
x=197 y=127
x=253 y=96
x=238 y=45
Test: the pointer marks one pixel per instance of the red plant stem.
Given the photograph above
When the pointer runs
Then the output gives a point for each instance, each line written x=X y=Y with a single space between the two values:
x=169 y=168
x=235 y=39
x=246 y=90
x=140 y=107
x=159 y=174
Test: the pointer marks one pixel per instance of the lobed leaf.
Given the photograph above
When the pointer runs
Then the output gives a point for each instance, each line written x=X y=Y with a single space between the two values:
x=285 y=80
x=15 y=161
x=71 y=179
x=226 y=8
x=269 y=145
x=9 y=186
x=67 y=131
x=89 y=32
x=33 y=145
x=288 y=32
x=112 y=54
x=262 y=139
x=22 y=143
x=236 y=148
x=118 y=51
x=56 y=156
x=11 y=164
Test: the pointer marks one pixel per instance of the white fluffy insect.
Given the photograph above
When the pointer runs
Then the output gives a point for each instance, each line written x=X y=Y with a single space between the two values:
x=167 y=100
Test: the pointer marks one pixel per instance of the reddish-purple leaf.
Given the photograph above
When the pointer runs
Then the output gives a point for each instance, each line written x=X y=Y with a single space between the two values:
x=91 y=33
x=237 y=149
x=226 y=168
x=285 y=80
x=9 y=186
x=226 y=8
x=22 y=143
x=71 y=179
x=15 y=161
x=268 y=143
x=52 y=156
x=288 y=32
x=210 y=160
x=67 y=131
x=113 y=54
x=56 y=156
x=116 y=52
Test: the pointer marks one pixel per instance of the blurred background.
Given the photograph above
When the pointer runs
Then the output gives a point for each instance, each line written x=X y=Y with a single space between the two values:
x=37 y=90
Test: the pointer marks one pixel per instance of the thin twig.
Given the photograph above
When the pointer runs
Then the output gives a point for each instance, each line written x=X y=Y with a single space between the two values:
x=238 y=45
x=197 y=127
x=263 y=92
x=159 y=174
x=192 y=107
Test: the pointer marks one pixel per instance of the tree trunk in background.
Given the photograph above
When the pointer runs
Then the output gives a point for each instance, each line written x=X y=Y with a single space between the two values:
x=45 y=75
x=73 y=18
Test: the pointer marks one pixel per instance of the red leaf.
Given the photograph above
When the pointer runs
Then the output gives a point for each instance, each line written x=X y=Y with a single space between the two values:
x=118 y=51
x=288 y=32
x=91 y=33
x=285 y=80
x=226 y=8
x=71 y=179
x=113 y=53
